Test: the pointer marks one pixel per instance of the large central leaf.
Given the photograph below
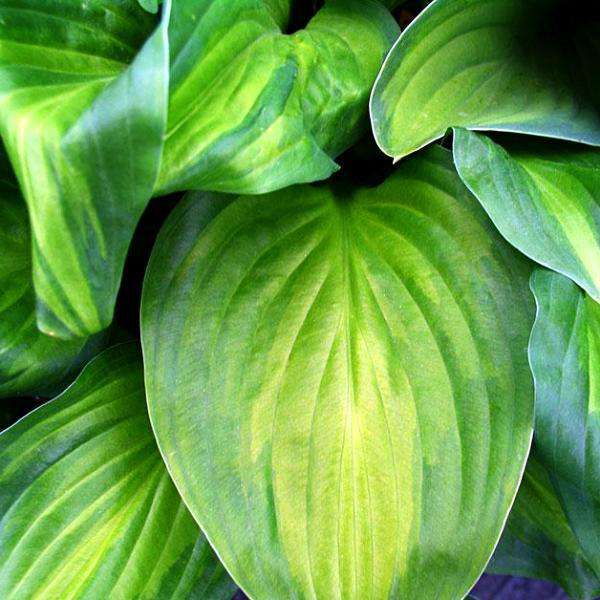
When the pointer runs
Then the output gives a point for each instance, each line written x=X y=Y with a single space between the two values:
x=338 y=382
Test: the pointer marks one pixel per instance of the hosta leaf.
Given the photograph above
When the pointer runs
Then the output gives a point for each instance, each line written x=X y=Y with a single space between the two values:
x=85 y=143
x=509 y=65
x=544 y=198
x=304 y=95
x=342 y=377
x=87 y=508
x=84 y=114
x=565 y=359
x=150 y=5
x=538 y=541
x=30 y=362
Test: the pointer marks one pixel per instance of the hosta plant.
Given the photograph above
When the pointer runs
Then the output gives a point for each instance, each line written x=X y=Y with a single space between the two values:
x=343 y=376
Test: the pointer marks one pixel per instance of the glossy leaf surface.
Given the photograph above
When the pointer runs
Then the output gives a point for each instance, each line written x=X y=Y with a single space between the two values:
x=343 y=378
x=565 y=359
x=85 y=144
x=538 y=541
x=87 y=508
x=526 y=66
x=30 y=362
x=83 y=111
x=544 y=198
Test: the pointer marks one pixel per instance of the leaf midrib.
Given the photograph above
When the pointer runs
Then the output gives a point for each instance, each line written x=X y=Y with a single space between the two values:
x=345 y=247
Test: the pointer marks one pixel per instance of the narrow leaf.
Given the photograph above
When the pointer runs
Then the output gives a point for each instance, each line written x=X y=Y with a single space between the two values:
x=508 y=65
x=31 y=363
x=565 y=359
x=343 y=378
x=85 y=144
x=87 y=508
x=544 y=198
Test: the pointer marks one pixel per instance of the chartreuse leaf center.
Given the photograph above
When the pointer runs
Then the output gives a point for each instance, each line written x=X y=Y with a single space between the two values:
x=342 y=376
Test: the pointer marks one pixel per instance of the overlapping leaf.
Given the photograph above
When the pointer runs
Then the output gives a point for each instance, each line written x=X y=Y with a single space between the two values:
x=85 y=142
x=544 y=197
x=83 y=111
x=30 y=362
x=565 y=359
x=343 y=378
x=87 y=508
x=511 y=65
x=538 y=541
x=252 y=110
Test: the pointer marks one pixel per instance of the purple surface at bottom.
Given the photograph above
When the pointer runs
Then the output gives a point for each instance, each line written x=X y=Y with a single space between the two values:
x=500 y=587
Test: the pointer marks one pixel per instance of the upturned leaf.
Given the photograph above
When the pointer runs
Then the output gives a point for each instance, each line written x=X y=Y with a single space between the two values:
x=304 y=95
x=524 y=66
x=342 y=377
x=87 y=508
